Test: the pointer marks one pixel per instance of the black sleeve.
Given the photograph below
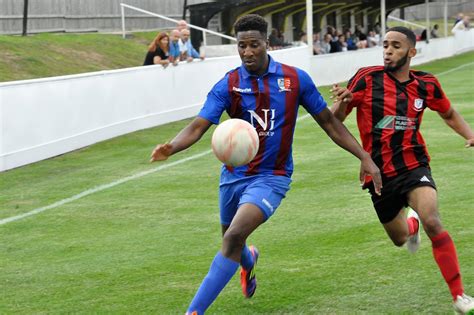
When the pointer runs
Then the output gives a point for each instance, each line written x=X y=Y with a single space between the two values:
x=149 y=59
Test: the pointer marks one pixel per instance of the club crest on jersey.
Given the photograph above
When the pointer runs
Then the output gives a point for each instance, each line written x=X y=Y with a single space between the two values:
x=418 y=104
x=284 y=84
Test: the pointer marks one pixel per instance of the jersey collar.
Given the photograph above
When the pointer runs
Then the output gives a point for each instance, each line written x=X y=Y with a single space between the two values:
x=410 y=74
x=271 y=69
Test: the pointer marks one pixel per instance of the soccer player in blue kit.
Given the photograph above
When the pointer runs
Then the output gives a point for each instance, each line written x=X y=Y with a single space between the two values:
x=267 y=94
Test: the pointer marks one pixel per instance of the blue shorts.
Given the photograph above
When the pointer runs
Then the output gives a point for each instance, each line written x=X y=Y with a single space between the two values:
x=264 y=191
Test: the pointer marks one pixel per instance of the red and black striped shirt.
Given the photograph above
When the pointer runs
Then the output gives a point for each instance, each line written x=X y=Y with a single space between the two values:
x=389 y=114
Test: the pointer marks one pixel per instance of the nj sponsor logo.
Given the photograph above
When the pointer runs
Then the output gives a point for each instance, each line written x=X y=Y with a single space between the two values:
x=267 y=123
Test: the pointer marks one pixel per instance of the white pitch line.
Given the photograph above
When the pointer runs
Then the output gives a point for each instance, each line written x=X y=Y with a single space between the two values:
x=101 y=187
x=107 y=186
x=455 y=69
x=141 y=174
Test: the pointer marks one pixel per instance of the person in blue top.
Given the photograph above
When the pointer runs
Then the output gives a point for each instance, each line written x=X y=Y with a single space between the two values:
x=267 y=94
x=174 y=47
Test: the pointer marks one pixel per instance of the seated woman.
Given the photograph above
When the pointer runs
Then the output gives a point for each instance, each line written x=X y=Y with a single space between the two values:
x=158 y=51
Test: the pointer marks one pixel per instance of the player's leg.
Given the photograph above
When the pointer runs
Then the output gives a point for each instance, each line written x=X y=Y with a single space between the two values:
x=424 y=201
x=226 y=262
x=267 y=193
x=397 y=228
x=247 y=257
x=390 y=210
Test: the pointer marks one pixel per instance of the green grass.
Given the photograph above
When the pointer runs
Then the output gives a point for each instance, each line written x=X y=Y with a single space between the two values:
x=46 y=55
x=144 y=246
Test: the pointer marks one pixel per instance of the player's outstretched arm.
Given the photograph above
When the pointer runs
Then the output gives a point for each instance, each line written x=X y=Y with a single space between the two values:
x=454 y=120
x=183 y=140
x=342 y=137
x=341 y=97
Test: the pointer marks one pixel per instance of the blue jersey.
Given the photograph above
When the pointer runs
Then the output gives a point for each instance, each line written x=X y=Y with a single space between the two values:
x=270 y=103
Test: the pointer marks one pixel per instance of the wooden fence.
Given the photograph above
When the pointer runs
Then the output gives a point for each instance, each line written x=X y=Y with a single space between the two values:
x=85 y=15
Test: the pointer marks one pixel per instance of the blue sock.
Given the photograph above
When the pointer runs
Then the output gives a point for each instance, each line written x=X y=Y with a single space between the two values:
x=221 y=271
x=246 y=259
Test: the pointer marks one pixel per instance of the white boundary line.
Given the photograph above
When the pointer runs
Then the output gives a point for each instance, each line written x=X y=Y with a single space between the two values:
x=455 y=69
x=141 y=174
x=109 y=185
x=101 y=187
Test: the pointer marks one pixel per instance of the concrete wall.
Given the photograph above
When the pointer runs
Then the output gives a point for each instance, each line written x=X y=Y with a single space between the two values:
x=47 y=117
x=339 y=67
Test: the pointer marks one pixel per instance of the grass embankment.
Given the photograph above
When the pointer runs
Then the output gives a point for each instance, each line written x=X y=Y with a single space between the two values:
x=46 y=55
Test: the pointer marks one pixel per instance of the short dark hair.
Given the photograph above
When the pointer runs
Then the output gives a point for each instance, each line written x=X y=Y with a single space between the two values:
x=405 y=31
x=251 y=22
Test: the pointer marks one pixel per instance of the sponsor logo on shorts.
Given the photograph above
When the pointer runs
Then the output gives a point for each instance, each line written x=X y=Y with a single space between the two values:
x=424 y=179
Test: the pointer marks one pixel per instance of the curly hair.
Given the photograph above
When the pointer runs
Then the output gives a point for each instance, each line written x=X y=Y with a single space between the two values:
x=405 y=31
x=251 y=22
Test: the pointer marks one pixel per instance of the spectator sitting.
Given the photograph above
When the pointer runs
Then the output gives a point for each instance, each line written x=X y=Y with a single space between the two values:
x=350 y=41
x=423 y=35
x=275 y=41
x=158 y=51
x=187 y=51
x=372 y=39
x=434 y=31
x=358 y=32
x=462 y=25
x=326 y=44
x=335 y=45
x=317 y=47
x=174 y=47
x=339 y=45
x=342 y=42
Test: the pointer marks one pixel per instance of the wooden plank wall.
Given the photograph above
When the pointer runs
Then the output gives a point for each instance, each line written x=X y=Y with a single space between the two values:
x=85 y=15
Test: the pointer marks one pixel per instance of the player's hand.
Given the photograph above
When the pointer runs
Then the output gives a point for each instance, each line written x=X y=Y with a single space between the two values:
x=368 y=168
x=469 y=143
x=161 y=153
x=340 y=94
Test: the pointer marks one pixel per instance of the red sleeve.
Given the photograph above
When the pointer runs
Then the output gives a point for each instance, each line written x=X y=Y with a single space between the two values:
x=436 y=99
x=357 y=86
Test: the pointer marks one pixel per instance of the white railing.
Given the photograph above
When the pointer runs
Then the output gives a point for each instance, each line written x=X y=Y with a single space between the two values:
x=405 y=22
x=203 y=30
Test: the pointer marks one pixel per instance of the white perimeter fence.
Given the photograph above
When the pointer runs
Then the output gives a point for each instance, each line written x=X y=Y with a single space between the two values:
x=43 y=118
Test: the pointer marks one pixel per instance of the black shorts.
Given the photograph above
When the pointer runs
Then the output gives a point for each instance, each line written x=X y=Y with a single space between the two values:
x=395 y=189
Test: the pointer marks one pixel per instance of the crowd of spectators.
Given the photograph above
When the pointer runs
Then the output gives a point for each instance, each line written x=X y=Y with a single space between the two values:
x=332 y=41
x=172 y=48
x=337 y=41
x=175 y=47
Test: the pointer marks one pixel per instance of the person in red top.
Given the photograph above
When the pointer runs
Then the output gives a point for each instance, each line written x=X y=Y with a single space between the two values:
x=390 y=101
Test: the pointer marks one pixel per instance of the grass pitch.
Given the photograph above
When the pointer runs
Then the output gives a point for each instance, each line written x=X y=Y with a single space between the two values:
x=144 y=246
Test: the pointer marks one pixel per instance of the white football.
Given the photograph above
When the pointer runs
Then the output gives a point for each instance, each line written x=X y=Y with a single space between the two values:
x=235 y=142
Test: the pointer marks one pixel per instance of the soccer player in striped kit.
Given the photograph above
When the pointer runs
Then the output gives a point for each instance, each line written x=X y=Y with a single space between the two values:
x=267 y=94
x=390 y=101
